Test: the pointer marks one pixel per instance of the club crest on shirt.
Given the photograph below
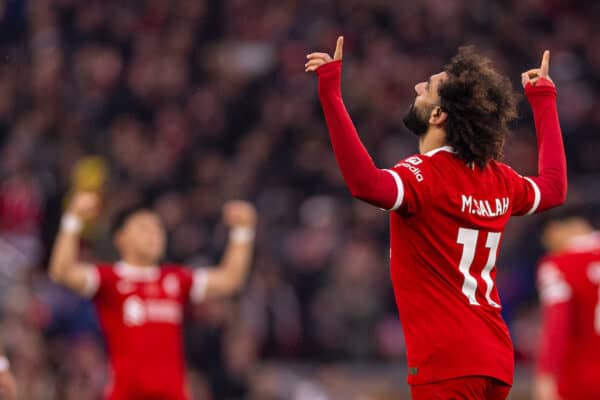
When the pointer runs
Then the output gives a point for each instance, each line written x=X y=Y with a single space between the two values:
x=593 y=272
x=171 y=285
x=485 y=208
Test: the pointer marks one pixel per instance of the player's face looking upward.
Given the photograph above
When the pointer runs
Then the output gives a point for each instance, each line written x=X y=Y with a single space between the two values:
x=141 y=239
x=425 y=110
x=468 y=107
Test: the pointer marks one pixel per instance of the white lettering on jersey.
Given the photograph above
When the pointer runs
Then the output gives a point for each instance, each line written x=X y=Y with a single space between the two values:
x=414 y=160
x=416 y=171
x=167 y=311
x=483 y=208
x=137 y=312
x=134 y=313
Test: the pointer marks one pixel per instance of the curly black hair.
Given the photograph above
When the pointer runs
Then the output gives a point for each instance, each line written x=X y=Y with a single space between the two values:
x=480 y=103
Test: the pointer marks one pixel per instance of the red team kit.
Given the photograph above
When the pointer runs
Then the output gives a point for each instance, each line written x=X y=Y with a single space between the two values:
x=140 y=312
x=447 y=220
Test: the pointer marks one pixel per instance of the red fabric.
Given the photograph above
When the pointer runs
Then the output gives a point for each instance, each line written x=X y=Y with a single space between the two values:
x=366 y=182
x=446 y=233
x=552 y=164
x=141 y=318
x=445 y=237
x=554 y=338
x=470 y=388
x=570 y=343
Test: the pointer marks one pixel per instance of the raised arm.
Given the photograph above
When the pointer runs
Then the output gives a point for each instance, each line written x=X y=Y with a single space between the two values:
x=552 y=164
x=65 y=267
x=229 y=276
x=8 y=386
x=364 y=180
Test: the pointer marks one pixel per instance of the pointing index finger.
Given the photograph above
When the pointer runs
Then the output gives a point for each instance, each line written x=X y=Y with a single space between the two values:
x=339 y=48
x=545 y=67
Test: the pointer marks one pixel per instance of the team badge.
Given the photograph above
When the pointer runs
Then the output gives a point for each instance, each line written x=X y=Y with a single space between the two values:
x=171 y=285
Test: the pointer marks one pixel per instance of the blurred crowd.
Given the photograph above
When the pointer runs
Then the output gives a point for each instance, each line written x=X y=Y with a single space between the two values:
x=193 y=102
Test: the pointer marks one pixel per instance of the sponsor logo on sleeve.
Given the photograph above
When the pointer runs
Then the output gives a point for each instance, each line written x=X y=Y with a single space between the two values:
x=413 y=160
x=410 y=164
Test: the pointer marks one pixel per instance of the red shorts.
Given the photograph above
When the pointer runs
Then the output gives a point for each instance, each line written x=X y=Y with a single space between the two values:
x=467 y=388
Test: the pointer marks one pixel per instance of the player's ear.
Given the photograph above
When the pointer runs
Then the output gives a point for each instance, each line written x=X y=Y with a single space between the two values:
x=438 y=116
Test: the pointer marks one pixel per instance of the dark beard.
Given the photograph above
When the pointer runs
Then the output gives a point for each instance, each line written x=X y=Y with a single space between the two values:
x=414 y=122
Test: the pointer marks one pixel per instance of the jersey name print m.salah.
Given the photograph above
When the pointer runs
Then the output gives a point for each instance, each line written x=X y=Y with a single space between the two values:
x=446 y=231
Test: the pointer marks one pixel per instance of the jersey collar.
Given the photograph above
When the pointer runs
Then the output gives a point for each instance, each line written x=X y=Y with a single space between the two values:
x=449 y=149
x=135 y=273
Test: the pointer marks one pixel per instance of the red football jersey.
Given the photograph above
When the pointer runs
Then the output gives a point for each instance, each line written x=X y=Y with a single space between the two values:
x=446 y=232
x=140 y=312
x=569 y=285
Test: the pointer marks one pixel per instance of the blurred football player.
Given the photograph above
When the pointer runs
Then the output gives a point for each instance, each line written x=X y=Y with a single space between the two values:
x=140 y=301
x=568 y=366
x=448 y=209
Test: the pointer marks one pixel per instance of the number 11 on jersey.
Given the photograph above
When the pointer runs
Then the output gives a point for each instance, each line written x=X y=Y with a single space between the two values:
x=468 y=239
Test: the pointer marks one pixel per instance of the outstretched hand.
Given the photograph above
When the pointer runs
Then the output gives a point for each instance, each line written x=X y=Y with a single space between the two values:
x=315 y=60
x=85 y=205
x=534 y=74
x=237 y=213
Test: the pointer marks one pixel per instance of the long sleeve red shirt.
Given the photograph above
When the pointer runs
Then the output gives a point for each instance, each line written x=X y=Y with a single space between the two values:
x=378 y=187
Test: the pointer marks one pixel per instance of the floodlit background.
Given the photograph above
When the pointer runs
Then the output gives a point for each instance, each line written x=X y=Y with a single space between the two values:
x=188 y=103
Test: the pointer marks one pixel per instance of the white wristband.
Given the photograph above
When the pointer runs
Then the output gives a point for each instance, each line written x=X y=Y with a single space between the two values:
x=242 y=234
x=71 y=223
x=4 y=364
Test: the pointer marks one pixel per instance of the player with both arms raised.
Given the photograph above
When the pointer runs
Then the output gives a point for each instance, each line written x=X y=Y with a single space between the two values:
x=139 y=303
x=448 y=209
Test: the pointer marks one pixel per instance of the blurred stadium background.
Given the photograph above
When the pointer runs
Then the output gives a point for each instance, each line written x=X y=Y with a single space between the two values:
x=187 y=103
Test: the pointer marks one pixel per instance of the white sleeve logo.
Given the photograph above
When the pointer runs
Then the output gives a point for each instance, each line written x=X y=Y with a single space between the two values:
x=413 y=160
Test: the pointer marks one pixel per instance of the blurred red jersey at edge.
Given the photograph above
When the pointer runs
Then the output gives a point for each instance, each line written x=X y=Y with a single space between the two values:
x=569 y=287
